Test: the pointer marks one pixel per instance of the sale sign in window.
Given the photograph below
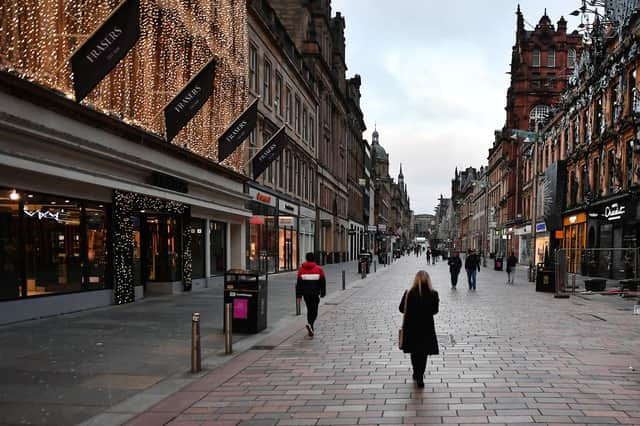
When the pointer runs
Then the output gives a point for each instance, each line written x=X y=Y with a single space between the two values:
x=240 y=308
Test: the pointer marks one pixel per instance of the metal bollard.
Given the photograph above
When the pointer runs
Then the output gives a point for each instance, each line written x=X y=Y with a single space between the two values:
x=343 y=279
x=374 y=267
x=228 y=329
x=297 y=306
x=363 y=270
x=195 y=343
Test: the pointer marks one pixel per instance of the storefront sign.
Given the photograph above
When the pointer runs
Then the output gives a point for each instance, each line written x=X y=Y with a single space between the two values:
x=189 y=101
x=372 y=228
x=559 y=235
x=262 y=197
x=168 y=182
x=614 y=212
x=238 y=131
x=382 y=227
x=39 y=214
x=101 y=52
x=541 y=227
x=287 y=208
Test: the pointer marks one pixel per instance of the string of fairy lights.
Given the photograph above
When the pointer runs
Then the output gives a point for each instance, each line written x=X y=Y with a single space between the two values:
x=125 y=205
x=178 y=37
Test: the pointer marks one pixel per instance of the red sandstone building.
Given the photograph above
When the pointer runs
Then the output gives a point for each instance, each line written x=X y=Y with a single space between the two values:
x=542 y=59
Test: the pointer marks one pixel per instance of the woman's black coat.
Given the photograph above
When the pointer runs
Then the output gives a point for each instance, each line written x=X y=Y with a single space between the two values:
x=419 y=335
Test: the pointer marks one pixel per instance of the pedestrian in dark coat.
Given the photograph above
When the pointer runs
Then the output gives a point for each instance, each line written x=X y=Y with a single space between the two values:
x=511 y=266
x=455 y=264
x=419 y=332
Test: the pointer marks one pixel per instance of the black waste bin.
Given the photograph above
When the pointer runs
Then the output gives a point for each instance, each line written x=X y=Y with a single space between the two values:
x=595 y=284
x=545 y=279
x=497 y=263
x=364 y=262
x=247 y=293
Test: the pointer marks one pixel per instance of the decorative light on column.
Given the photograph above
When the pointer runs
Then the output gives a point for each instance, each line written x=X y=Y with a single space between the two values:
x=178 y=37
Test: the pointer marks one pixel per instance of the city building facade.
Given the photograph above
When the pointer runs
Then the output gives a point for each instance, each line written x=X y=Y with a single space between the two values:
x=96 y=206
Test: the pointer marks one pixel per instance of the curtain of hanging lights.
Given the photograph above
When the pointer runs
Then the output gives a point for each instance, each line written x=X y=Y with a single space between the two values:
x=37 y=38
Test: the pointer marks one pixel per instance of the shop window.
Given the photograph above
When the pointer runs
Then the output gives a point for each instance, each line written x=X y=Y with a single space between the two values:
x=218 y=248
x=50 y=244
x=197 y=248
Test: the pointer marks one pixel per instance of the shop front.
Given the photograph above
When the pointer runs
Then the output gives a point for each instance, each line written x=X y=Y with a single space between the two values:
x=542 y=243
x=262 y=235
x=524 y=244
x=612 y=228
x=95 y=212
x=273 y=240
x=288 y=214
x=574 y=231
x=306 y=233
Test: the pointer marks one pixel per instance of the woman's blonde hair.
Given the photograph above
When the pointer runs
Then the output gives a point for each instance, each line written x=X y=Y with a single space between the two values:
x=421 y=280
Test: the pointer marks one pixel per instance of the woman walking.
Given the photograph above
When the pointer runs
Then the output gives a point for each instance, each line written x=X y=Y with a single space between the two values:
x=419 y=304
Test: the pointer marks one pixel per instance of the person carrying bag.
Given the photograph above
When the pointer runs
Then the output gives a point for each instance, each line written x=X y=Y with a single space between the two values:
x=418 y=334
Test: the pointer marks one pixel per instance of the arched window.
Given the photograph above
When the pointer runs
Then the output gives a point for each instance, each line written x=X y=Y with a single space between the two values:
x=538 y=115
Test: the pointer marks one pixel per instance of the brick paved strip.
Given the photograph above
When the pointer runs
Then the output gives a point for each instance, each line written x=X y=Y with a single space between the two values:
x=220 y=375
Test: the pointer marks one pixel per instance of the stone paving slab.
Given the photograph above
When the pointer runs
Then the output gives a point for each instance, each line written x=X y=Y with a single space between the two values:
x=508 y=355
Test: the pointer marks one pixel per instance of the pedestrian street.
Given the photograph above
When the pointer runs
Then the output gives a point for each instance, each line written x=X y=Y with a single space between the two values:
x=508 y=355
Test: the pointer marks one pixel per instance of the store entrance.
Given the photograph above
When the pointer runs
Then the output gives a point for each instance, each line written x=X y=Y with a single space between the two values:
x=158 y=257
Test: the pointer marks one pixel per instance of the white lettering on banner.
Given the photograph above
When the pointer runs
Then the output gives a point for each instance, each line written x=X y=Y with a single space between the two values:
x=104 y=44
x=236 y=130
x=614 y=212
x=187 y=98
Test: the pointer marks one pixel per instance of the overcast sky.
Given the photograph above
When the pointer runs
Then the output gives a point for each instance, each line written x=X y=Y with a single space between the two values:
x=434 y=80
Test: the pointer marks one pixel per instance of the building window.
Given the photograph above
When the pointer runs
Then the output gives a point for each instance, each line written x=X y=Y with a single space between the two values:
x=538 y=116
x=266 y=88
x=551 y=58
x=305 y=124
x=253 y=68
x=312 y=132
x=277 y=101
x=535 y=58
x=633 y=92
x=571 y=58
x=289 y=100
x=598 y=122
x=298 y=123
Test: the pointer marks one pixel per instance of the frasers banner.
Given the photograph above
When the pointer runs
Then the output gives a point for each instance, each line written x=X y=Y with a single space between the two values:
x=189 y=101
x=269 y=152
x=238 y=131
x=102 y=51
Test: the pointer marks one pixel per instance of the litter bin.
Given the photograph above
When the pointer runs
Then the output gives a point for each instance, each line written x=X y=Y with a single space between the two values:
x=497 y=263
x=247 y=293
x=364 y=262
x=545 y=279
x=595 y=284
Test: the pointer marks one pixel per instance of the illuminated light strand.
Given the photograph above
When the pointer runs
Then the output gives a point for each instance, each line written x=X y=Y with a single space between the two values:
x=177 y=37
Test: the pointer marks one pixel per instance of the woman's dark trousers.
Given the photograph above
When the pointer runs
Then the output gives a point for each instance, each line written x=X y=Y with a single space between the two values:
x=419 y=363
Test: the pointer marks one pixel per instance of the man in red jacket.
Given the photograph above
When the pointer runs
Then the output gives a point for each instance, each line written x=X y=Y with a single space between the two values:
x=311 y=285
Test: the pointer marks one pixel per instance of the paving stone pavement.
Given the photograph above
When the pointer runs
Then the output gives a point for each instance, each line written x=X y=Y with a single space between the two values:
x=508 y=356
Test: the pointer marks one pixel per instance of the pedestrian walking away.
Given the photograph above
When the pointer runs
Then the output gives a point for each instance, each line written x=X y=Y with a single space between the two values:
x=311 y=285
x=455 y=264
x=472 y=266
x=419 y=304
x=511 y=268
x=428 y=256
